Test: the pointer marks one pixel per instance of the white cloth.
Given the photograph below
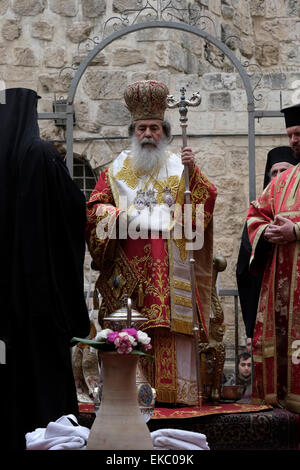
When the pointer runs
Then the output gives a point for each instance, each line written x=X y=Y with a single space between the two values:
x=63 y=435
x=58 y=435
x=175 y=439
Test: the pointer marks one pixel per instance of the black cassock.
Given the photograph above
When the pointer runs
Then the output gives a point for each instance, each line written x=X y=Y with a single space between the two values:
x=42 y=224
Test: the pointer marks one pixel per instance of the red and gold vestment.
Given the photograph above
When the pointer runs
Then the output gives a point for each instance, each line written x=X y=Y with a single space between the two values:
x=277 y=329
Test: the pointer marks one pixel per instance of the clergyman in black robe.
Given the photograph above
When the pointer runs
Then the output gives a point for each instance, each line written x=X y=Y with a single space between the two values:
x=248 y=284
x=42 y=224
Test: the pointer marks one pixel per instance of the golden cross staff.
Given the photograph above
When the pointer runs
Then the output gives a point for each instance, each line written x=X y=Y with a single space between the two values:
x=183 y=104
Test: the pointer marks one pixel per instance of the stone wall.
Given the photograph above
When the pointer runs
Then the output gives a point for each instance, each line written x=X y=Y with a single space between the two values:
x=39 y=38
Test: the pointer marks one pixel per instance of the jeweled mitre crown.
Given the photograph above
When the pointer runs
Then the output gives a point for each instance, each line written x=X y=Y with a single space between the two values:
x=146 y=99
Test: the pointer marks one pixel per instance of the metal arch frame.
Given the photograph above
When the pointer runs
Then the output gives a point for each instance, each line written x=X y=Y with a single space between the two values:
x=170 y=25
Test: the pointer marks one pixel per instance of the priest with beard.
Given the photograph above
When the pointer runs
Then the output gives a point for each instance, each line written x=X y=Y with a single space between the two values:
x=274 y=233
x=42 y=253
x=135 y=233
x=279 y=159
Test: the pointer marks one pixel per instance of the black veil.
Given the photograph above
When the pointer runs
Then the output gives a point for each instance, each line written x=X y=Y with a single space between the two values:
x=42 y=224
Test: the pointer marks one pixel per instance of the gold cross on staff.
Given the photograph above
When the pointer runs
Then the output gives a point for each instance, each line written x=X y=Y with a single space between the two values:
x=182 y=104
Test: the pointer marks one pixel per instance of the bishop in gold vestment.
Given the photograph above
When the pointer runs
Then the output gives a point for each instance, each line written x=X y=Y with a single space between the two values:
x=146 y=261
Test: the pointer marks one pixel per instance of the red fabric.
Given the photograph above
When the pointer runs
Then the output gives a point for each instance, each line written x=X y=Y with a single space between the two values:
x=276 y=377
x=149 y=263
x=193 y=411
x=149 y=259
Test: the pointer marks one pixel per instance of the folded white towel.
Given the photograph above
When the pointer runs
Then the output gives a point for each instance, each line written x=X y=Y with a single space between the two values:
x=58 y=435
x=63 y=435
x=178 y=439
x=173 y=444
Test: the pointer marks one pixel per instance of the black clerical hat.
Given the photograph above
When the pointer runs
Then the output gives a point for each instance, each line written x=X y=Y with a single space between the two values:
x=292 y=115
x=276 y=155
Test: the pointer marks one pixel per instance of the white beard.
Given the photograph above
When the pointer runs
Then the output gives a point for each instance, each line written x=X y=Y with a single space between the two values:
x=147 y=159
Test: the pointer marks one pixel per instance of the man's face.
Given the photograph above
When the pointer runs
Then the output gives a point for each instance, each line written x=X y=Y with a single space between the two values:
x=294 y=139
x=149 y=132
x=245 y=368
x=279 y=168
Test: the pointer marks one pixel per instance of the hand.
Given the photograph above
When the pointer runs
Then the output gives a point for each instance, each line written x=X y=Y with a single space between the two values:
x=281 y=231
x=188 y=158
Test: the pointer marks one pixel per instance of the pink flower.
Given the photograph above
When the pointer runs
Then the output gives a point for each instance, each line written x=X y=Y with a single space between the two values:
x=112 y=336
x=123 y=344
x=131 y=331
x=147 y=347
x=132 y=340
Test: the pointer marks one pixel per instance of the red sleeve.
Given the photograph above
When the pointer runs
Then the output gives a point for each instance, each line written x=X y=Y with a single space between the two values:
x=101 y=218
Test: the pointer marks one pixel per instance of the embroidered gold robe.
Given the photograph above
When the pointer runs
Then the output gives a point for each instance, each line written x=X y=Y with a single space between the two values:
x=154 y=270
x=277 y=330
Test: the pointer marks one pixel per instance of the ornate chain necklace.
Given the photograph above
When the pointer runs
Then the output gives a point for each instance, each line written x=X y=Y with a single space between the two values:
x=144 y=199
x=147 y=197
x=168 y=197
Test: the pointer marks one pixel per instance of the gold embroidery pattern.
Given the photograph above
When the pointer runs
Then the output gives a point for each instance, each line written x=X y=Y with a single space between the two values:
x=128 y=175
x=187 y=391
x=104 y=195
x=184 y=301
x=181 y=243
x=202 y=192
x=182 y=285
x=131 y=178
x=153 y=273
x=263 y=200
x=114 y=293
x=96 y=210
x=97 y=244
x=165 y=365
x=172 y=182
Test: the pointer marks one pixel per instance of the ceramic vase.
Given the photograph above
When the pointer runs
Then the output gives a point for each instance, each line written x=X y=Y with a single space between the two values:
x=119 y=424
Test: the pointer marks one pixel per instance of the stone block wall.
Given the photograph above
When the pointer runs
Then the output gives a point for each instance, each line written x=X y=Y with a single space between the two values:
x=41 y=39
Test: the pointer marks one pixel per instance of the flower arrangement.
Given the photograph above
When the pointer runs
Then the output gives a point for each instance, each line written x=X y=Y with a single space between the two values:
x=126 y=341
